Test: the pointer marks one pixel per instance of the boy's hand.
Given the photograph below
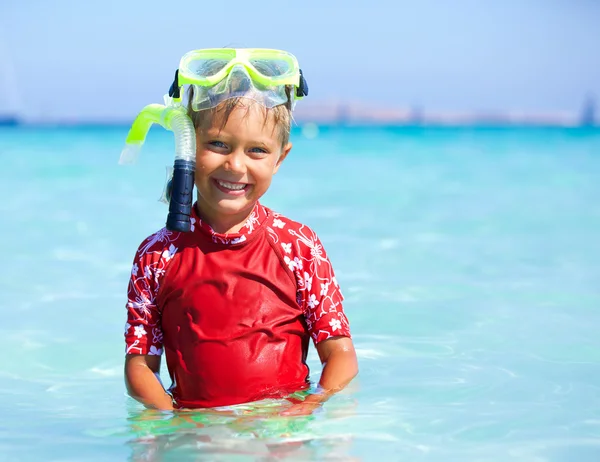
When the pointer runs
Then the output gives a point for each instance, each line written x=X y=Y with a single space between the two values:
x=340 y=367
x=306 y=407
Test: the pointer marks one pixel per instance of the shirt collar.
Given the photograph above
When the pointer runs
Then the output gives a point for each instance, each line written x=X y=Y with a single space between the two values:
x=253 y=222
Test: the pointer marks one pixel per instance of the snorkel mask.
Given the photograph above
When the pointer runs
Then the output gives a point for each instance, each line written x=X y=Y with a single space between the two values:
x=263 y=75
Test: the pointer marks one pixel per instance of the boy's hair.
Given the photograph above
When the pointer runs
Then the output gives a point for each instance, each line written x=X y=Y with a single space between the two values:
x=281 y=114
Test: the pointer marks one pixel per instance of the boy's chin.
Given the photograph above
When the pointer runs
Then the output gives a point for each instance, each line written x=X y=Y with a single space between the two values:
x=235 y=206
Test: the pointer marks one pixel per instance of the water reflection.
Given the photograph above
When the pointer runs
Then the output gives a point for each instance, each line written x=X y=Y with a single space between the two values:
x=247 y=432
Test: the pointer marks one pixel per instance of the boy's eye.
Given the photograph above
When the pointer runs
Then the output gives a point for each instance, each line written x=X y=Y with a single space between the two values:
x=258 y=151
x=217 y=144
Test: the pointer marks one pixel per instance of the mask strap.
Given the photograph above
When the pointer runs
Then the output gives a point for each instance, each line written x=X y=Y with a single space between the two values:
x=302 y=89
x=175 y=89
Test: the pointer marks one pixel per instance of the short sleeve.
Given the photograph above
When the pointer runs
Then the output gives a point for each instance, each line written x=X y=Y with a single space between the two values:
x=319 y=293
x=143 y=333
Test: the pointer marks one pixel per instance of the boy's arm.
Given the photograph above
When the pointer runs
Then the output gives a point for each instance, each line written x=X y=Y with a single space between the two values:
x=142 y=383
x=143 y=332
x=321 y=299
x=340 y=366
x=339 y=361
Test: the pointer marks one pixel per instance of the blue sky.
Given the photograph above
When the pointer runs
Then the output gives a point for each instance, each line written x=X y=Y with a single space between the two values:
x=107 y=59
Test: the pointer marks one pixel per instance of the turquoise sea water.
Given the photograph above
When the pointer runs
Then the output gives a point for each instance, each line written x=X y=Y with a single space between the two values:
x=469 y=259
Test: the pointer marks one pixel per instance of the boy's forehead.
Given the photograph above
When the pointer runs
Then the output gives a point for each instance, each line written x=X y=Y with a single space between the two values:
x=251 y=115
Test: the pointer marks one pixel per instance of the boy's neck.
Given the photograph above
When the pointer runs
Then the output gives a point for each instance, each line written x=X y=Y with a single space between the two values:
x=223 y=224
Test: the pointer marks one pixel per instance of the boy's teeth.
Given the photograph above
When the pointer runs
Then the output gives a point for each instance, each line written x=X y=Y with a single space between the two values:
x=227 y=185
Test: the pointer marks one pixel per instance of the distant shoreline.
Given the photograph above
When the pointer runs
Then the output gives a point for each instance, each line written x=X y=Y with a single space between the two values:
x=353 y=115
x=302 y=125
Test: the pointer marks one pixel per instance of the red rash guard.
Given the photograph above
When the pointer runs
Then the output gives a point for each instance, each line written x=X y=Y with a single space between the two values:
x=233 y=312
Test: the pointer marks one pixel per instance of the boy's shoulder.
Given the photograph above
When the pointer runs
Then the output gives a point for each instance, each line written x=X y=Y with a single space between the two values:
x=282 y=224
x=162 y=243
x=292 y=235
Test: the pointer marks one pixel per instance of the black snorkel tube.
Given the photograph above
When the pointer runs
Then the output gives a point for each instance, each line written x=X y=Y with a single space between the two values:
x=180 y=188
x=180 y=195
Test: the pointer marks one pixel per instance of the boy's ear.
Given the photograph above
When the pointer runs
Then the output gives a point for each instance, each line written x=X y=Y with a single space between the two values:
x=284 y=152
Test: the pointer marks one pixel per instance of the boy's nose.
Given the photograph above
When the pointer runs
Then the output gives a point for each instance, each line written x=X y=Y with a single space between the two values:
x=235 y=162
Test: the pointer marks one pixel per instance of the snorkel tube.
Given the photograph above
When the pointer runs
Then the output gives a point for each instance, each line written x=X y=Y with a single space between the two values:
x=180 y=190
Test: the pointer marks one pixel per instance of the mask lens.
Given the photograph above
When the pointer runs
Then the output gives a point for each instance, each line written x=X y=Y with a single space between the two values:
x=272 y=67
x=206 y=67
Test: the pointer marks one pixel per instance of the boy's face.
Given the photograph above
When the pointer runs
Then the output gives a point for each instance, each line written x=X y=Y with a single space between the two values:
x=235 y=164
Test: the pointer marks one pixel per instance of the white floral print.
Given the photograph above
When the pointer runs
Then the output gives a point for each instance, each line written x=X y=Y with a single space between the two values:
x=133 y=347
x=312 y=301
x=157 y=336
x=307 y=281
x=168 y=253
x=155 y=351
x=335 y=324
x=252 y=221
x=139 y=331
x=294 y=264
x=163 y=235
x=141 y=303
x=277 y=223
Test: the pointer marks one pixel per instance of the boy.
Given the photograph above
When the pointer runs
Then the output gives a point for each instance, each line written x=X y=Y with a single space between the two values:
x=234 y=302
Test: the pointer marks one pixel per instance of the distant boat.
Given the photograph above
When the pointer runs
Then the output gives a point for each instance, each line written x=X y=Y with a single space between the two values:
x=8 y=120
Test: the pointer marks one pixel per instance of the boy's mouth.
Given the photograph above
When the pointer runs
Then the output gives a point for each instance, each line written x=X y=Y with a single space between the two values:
x=233 y=188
